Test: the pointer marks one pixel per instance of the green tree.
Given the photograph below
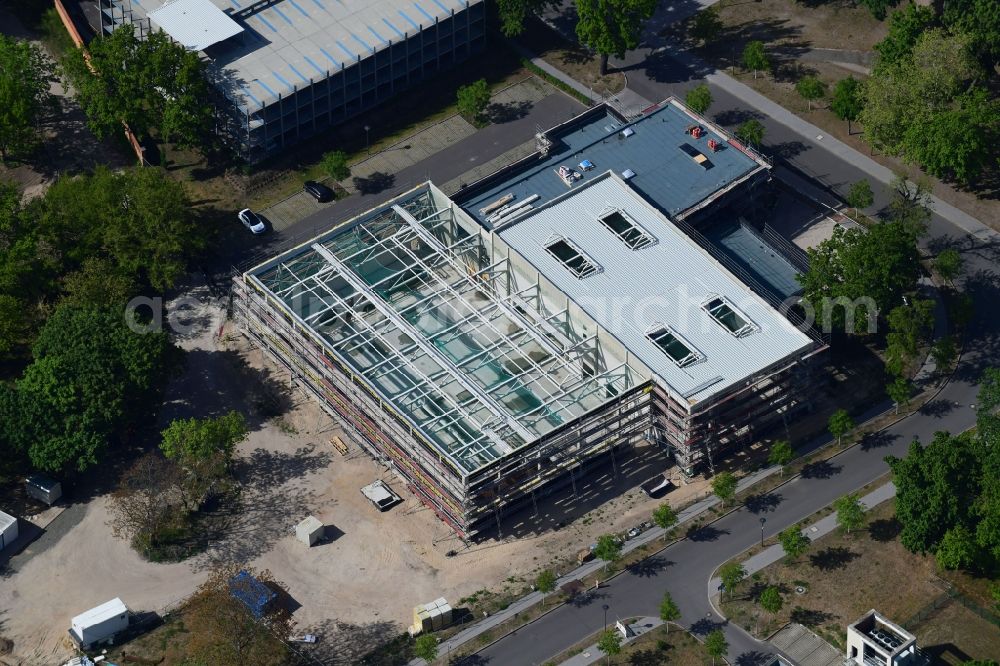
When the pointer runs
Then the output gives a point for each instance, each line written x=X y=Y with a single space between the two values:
x=334 y=163
x=91 y=378
x=793 y=541
x=612 y=27
x=846 y=102
x=426 y=647
x=610 y=643
x=699 y=98
x=858 y=273
x=810 y=89
x=665 y=517
x=981 y=20
x=751 y=131
x=905 y=26
x=948 y=264
x=910 y=204
x=473 y=100
x=513 y=14
x=899 y=391
x=840 y=424
x=716 y=645
x=706 y=26
x=545 y=582
x=755 y=57
x=781 y=454
x=13 y=323
x=770 y=599
x=204 y=449
x=146 y=83
x=608 y=549
x=25 y=73
x=936 y=489
x=944 y=352
x=958 y=549
x=909 y=325
x=724 y=486
x=732 y=574
x=99 y=282
x=860 y=196
x=878 y=8
x=669 y=612
x=850 y=512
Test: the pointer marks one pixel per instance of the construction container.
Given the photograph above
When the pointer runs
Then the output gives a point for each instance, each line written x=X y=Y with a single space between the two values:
x=310 y=530
x=43 y=488
x=8 y=530
x=100 y=624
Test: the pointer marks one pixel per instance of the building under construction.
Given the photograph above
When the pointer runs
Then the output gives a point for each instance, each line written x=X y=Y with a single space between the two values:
x=494 y=352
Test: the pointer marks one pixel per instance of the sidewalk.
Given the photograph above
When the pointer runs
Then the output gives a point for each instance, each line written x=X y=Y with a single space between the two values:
x=527 y=601
x=820 y=528
x=592 y=655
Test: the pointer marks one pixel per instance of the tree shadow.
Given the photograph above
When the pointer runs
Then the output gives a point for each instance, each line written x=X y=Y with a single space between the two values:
x=788 y=149
x=378 y=643
x=823 y=469
x=833 y=558
x=374 y=183
x=754 y=658
x=878 y=440
x=733 y=117
x=763 y=503
x=809 y=617
x=648 y=567
x=585 y=599
x=505 y=113
x=938 y=408
x=705 y=626
x=884 y=529
x=706 y=533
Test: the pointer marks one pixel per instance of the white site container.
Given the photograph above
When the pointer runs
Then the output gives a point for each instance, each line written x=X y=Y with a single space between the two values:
x=8 y=530
x=100 y=623
x=310 y=530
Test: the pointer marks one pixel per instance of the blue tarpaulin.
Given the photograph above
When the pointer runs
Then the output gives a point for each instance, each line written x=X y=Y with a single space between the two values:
x=254 y=594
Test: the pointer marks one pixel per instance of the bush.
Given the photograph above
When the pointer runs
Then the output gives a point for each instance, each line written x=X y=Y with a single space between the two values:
x=335 y=164
x=473 y=99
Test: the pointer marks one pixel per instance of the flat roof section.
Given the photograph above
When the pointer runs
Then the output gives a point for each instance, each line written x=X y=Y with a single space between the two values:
x=197 y=24
x=657 y=148
x=288 y=42
x=669 y=302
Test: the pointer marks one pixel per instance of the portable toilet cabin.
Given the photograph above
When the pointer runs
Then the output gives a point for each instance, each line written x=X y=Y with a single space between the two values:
x=310 y=530
x=100 y=624
x=8 y=529
x=43 y=488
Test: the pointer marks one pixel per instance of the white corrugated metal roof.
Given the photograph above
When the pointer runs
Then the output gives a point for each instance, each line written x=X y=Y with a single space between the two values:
x=666 y=283
x=197 y=24
x=98 y=614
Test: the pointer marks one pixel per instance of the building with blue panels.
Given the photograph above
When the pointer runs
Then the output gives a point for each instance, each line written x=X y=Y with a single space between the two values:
x=287 y=69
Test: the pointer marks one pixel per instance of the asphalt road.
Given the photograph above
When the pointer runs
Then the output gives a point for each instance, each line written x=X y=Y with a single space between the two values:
x=686 y=567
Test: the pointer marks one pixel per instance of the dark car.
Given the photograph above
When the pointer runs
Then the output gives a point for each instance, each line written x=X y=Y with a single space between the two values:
x=318 y=191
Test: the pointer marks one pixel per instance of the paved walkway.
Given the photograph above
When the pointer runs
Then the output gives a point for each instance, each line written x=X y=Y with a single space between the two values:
x=820 y=528
x=806 y=648
x=592 y=654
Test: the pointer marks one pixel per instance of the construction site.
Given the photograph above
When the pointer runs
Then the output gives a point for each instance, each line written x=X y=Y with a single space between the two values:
x=496 y=348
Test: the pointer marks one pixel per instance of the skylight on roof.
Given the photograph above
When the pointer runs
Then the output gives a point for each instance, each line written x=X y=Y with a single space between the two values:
x=672 y=345
x=634 y=236
x=571 y=257
x=728 y=317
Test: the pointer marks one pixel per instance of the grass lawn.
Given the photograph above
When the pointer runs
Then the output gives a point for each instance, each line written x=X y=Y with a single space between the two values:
x=570 y=58
x=656 y=647
x=842 y=576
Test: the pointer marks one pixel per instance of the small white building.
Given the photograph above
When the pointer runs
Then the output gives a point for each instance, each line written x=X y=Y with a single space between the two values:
x=310 y=530
x=8 y=530
x=876 y=641
x=100 y=624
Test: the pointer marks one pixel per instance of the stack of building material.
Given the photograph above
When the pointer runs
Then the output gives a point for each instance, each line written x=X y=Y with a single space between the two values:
x=431 y=616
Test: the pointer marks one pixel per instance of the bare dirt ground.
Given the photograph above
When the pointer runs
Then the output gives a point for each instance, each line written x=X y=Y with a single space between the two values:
x=874 y=561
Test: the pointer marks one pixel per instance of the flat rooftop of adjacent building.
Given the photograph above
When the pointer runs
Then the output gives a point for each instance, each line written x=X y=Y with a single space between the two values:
x=671 y=168
x=285 y=43
x=665 y=298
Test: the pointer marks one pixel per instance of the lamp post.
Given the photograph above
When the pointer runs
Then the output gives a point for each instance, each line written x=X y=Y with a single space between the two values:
x=367 y=144
x=605 y=607
x=762 y=521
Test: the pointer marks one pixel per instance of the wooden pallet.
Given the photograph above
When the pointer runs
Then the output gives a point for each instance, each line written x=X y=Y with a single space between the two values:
x=338 y=444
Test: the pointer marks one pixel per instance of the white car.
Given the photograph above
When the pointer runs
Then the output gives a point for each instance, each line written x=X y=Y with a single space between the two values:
x=252 y=221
